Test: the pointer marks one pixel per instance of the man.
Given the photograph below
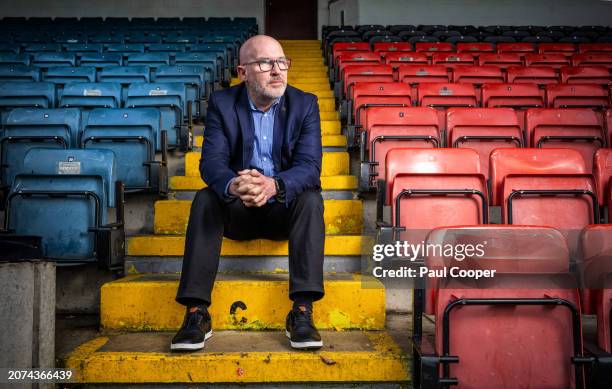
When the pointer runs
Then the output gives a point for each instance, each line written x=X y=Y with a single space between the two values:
x=261 y=159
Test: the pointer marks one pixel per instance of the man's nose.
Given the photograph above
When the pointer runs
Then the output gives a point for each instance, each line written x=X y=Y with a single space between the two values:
x=275 y=68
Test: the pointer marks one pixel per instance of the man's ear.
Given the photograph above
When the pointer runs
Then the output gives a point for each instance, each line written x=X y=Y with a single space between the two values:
x=241 y=72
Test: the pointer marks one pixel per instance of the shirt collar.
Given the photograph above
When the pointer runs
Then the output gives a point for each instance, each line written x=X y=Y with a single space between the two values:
x=254 y=108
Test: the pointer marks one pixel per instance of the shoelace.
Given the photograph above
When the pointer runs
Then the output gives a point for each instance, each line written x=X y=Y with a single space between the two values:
x=194 y=318
x=303 y=316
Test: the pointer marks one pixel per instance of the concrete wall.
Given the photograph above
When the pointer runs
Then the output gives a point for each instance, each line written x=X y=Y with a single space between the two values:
x=351 y=10
x=484 y=12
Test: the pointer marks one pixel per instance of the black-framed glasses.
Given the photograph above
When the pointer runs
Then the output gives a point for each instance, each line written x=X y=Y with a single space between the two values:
x=266 y=65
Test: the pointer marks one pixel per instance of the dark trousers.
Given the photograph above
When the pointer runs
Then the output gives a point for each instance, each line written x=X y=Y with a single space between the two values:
x=212 y=217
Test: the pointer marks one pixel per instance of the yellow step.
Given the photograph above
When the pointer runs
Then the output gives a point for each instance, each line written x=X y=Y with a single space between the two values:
x=341 y=216
x=184 y=183
x=328 y=115
x=299 y=79
x=309 y=74
x=308 y=68
x=334 y=164
x=240 y=357
x=173 y=245
x=327 y=104
x=324 y=94
x=327 y=140
x=146 y=302
x=311 y=88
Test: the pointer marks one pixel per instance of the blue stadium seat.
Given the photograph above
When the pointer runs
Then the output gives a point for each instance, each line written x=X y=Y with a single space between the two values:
x=208 y=60
x=177 y=37
x=224 y=59
x=169 y=98
x=47 y=60
x=19 y=73
x=90 y=95
x=61 y=76
x=125 y=48
x=171 y=48
x=14 y=59
x=63 y=196
x=132 y=135
x=81 y=48
x=100 y=60
x=105 y=38
x=124 y=75
x=15 y=94
x=8 y=48
x=27 y=128
x=193 y=76
x=42 y=48
x=153 y=60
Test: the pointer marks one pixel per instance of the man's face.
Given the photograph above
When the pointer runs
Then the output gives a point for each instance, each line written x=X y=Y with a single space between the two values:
x=264 y=84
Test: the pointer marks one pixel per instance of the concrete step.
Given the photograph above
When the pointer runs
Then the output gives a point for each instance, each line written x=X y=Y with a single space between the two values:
x=328 y=183
x=308 y=68
x=327 y=140
x=146 y=303
x=311 y=88
x=299 y=79
x=309 y=74
x=335 y=163
x=173 y=245
x=341 y=217
x=241 y=357
x=323 y=94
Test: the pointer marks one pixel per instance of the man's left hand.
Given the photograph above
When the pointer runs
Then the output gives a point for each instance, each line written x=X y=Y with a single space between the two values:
x=260 y=188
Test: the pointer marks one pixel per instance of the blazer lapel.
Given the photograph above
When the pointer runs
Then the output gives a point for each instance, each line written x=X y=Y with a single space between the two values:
x=280 y=126
x=247 y=129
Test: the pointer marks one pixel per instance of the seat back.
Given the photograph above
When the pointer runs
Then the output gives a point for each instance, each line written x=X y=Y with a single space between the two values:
x=51 y=59
x=553 y=60
x=365 y=73
x=478 y=75
x=602 y=170
x=89 y=95
x=593 y=59
x=367 y=95
x=100 y=60
x=15 y=94
x=586 y=74
x=14 y=59
x=576 y=96
x=475 y=48
x=452 y=60
x=539 y=75
x=206 y=59
x=566 y=49
x=389 y=47
x=521 y=48
x=500 y=60
x=397 y=59
x=124 y=75
x=19 y=73
x=595 y=48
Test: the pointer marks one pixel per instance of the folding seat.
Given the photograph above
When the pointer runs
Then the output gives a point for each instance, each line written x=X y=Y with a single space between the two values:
x=47 y=60
x=452 y=60
x=478 y=75
x=539 y=75
x=442 y=96
x=531 y=293
x=100 y=60
x=19 y=73
x=340 y=47
x=136 y=37
x=61 y=76
x=555 y=61
x=608 y=120
x=125 y=48
x=483 y=130
x=78 y=188
x=577 y=96
x=602 y=170
x=475 y=48
x=42 y=48
x=27 y=128
x=207 y=60
x=461 y=39
x=545 y=187
x=567 y=49
x=132 y=135
x=366 y=95
x=429 y=188
x=576 y=128
x=177 y=37
x=593 y=59
x=8 y=48
x=345 y=59
x=14 y=59
x=502 y=61
x=586 y=74
x=169 y=98
x=198 y=88
x=387 y=47
x=521 y=48
x=171 y=48
x=124 y=75
x=90 y=95
x=594 y=48
x=520 y=97
x=386 y=128
x=152 y=60
x=15 y=94
x=499 y=39
x=362 y=73
x=433 y=46
x=405 y=58
x=223 y=56
x=414 y=75
x=81 y=48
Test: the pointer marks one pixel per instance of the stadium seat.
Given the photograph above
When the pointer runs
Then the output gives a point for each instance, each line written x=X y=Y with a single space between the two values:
x=553 y=60
x=47 y=60
x=432 y=47
x=19 y=73
x=171 y=48
x=502 y=61
x=593 y=59
x=483 y=130
x=478 y=75
x=595 y=48
x=414 y=75
x=566 y=49
x=61 y=76
x=361 y=73
x=390 y=47
x=207 y=60
x=340 y=47
x=386 y=128
x=602 y=170
x=539 y=75
x=405 y=58
x=532 y=289
x=76 y=187
x=345 y=59
x=132 y=135
x=586 y=74
x=169 y=98
x=430 y=188
x=14 y=94
x=7 y=48
x=577 y=96
x=152 y=60
x=475 y=48
x=521 y=48
x=125 y=48
x=193 y=76
x=14 y=59
x=124 y=75
x=520 y=97
x=27 y=128
x=578 y=129
x=81 y=48
x=42 y=48
x=224 y=58
x=442 y=96
x=90 y=95
x=100 y=60
x=452 y=60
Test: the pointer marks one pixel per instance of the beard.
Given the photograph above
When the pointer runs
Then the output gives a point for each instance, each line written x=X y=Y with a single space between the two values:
x=267 y=92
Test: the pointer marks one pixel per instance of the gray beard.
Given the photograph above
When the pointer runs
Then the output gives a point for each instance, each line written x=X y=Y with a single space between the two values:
x=260 y=91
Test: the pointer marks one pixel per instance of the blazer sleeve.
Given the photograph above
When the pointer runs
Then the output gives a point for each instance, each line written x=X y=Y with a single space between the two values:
x=214 y=162
x=305 y=172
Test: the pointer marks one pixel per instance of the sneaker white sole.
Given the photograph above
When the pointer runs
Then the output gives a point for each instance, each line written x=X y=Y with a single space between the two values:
x=300 y=345
x=190 y=346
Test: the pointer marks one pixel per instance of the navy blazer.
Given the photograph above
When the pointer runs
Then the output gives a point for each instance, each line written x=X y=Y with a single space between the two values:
x=229 y=136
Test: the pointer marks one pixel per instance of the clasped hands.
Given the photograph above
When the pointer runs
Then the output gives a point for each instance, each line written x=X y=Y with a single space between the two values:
x=253 y=188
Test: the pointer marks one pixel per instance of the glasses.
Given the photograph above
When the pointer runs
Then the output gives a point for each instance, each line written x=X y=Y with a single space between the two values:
x=266 y=65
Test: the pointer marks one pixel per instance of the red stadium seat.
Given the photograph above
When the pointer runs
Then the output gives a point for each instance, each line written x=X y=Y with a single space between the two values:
x=595 y=48
x=475 y=48
x=539 y=75
x=413 y=75
x=386 y=128
x=608 y=120
x=520 y=97
x=478 y=75
x=526 y=322
x=362 y=73
x=451 y=60
x=388 y=47
x=553 y=60
x=521 y=48
x=576 y=96
x=354 y=58
x=566 y=49
x=502 y=61
x=483 y=130
x=586 y=74
x=593 y=59
x=445 y=95
x=433 y=46
x=602 y=170
x=406 y=58
x=576 y=128
x=340 y=47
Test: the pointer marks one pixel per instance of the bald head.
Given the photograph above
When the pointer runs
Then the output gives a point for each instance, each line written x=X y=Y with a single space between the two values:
x=257 y=47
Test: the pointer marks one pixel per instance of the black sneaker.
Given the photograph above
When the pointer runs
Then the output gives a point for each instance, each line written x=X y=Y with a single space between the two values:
x=300 y=329
x=195 y=330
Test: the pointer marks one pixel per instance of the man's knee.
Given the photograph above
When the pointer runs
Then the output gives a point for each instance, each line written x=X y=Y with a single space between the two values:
x=205 y=199
x=310 y=200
